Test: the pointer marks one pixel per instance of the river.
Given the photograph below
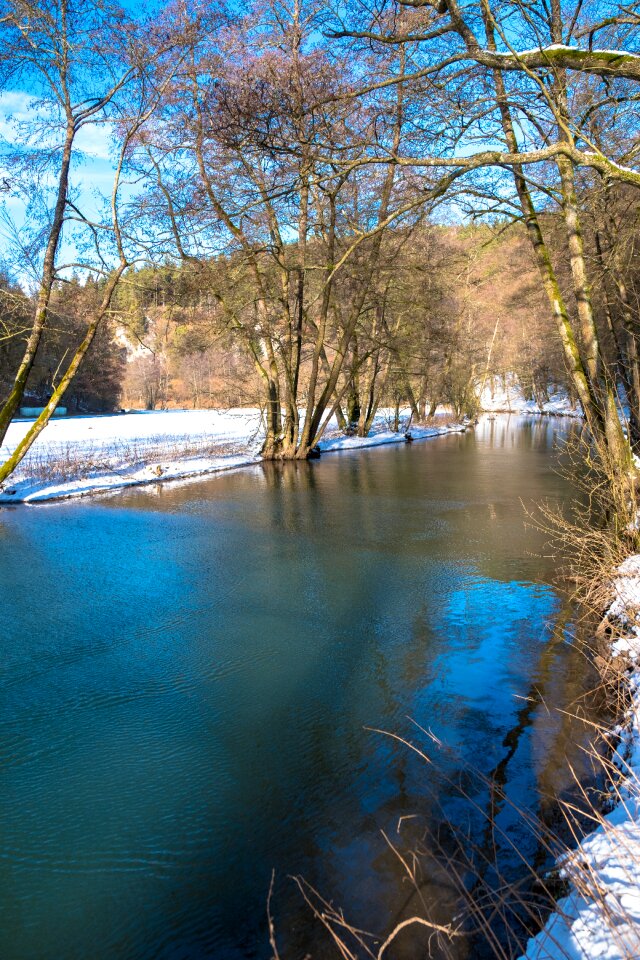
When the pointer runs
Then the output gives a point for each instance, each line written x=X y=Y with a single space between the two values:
x=191 y=673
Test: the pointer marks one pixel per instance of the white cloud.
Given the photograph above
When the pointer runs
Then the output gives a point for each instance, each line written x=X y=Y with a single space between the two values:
x=15 y=108
x=18 y=107
x=95 y=140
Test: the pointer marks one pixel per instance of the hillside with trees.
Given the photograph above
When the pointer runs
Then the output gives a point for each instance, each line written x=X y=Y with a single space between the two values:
x=454 y=309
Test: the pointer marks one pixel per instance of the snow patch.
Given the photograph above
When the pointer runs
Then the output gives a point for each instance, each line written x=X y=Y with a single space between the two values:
x=342 y=442
x=82 y=455
x=507 y=397
x=600 y=918
x=612 y=163
x=532 y=51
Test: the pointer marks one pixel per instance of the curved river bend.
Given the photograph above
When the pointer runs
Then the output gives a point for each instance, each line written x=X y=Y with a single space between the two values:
x=189 y=674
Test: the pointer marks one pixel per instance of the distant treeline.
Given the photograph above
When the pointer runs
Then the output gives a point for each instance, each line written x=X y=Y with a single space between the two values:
x=97 y=387
x=453 y=309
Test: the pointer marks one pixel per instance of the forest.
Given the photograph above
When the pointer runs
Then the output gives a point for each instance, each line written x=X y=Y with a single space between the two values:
x=319 y=210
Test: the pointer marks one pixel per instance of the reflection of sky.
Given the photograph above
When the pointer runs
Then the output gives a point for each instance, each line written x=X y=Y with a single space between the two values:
x=489 y=624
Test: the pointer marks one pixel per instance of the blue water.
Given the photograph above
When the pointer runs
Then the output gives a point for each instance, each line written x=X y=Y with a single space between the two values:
x=189 y=673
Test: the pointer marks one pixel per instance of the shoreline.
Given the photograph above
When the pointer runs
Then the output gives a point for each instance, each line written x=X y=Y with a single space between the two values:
x=607 y=860
x=136 y=449
x=504 y=411
x=161 y=470
x=600 y=914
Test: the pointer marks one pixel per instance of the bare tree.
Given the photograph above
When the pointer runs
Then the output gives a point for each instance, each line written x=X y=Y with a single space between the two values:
x=67 y=53
x=253 y=163
x=542 y=90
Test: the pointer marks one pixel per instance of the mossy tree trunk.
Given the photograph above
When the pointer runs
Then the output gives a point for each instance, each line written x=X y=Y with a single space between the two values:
x=583 y=360
x=13 y=401
x=9 y=466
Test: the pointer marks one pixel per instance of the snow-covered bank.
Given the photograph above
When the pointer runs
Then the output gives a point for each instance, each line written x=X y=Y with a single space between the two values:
x=509 y=398
x=83 y=455
x=376 y=439
x=600 y=918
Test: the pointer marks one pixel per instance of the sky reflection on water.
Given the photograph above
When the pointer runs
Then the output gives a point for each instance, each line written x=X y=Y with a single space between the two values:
x=188 y=674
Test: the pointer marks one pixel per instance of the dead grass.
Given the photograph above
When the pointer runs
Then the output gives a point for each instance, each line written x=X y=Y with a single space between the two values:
x=75 y=462
x=495 y=917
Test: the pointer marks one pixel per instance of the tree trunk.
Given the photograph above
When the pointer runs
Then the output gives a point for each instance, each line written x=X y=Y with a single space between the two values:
x=602 y=385
x=575 y=366
x=8 y=467
x=14 y=399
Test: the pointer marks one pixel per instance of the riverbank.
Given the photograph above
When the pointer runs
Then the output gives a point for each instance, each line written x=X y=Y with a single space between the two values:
x=600 y=916
x=83 y=455
x=509 y=398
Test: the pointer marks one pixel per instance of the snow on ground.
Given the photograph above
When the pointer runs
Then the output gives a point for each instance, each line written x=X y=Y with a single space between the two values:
x=81 y=455
x=139 y=425
x=78 y=455
x=600 y=918
x=376 y=439
x=508 y=398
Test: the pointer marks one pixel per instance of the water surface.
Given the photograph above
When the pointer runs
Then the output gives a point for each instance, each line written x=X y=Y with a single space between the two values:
x=189 y=673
